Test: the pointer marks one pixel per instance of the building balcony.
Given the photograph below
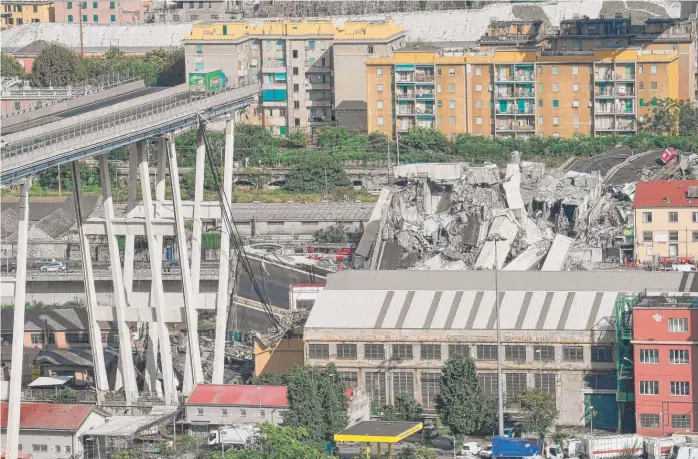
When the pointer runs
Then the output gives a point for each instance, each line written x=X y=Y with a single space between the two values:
x=274 y=68
x=404 y=127
x=515 y=111
x=319 y=119
x=274 y=85
x=424 y=77
x=318 y=69
x=404 y=95
x=425 y=95
x=318 y=86
x=525 y=127
x=404 y=79
x=424 y=111
x=625 y=78
x=318 y=103
x=504 y=95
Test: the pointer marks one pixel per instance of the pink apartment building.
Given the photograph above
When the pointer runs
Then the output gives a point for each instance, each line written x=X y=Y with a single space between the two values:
x=100 y=11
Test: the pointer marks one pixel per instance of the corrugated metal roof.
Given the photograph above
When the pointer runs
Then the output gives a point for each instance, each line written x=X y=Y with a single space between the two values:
x=48 y=416
x=662 y=193
x=238 y=395
x=77 y=357
x=466 y=300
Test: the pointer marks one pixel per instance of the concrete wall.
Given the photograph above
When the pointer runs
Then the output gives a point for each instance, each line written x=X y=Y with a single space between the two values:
x=215 y=416
x=660 y=241
x=287 y=354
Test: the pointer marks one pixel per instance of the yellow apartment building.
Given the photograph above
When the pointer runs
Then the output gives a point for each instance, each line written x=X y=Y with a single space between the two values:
x=519 y=92
x=666 y=220
x=18 y=12
x=313 y=73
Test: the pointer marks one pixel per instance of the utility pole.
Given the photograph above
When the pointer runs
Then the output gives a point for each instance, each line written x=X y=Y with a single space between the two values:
x=60 y=189
x=388 y=157
x=82 y=45
x=397 y=136
x=500 y=391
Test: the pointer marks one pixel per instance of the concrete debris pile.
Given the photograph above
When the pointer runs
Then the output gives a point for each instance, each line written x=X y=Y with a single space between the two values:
x=448 y=216
x=288 y=321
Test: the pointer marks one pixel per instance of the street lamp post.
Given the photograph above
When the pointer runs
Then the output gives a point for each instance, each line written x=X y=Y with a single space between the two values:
x=591 y=418
x=500 y=390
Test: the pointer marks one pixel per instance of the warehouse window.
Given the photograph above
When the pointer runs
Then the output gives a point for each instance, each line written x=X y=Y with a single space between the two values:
x=679 y=421
x=374 y=351
x=37 y=338
x=601 y=354
x=515 y=353
x=649 y=420
x=515 y=383
x=649 y=355
x=318 y=351
x=346 y=351
x=678 y=325
x=545 y=381
x=543 y=353
x=430 y=352
x=649 y=387
x=678 y=356
x=374 y=382
x=600 y=381
x=402 y=351
x=680 y=388
x=572 y=353
x=431 y=386
x=77 y=338
x=486 y=352
x=488 y=383
x=349 y=378
x=458 y=349
x=403 y=383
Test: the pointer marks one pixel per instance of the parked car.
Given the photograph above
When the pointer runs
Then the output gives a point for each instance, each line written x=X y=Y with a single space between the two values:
x=53 y=267
x=46 y=261
x=471 y=448
x=9 y=267
x=486 y=452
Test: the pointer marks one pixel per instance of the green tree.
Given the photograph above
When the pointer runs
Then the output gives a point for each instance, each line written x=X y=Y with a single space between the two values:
x=663 y=116
x=688 y=118
x=405 y=408
x=490 y=415
x=57 y=66
x=10 y=68
x=333 y=234
x=277 y=442
x=429 y=139
x=66 y=395
x=311 y=176
x=419 y=452
x=296 y=139
x=458 y=403
x=332 y=137
x=258 y=176
x=539 y=410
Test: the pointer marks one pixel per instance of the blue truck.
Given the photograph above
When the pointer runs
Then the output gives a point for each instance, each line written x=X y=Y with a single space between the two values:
x=514 y=447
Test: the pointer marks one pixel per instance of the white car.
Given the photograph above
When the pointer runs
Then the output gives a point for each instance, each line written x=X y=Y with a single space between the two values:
x=486 y=452
x=53 y=267
x=471 y=448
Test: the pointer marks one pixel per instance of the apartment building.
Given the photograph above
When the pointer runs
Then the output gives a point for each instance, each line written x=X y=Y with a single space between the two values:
x=312 y=72
x=18 y=12
x=187 y=11
x=665 y=333
x=666 y=220
x=100 y=11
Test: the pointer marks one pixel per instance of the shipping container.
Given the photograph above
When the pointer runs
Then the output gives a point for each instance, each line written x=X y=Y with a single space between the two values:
x=207 y=80
x=613 y=446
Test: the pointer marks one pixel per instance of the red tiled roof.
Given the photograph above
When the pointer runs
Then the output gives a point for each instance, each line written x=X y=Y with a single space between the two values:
x=238 y=394
x=662 y=193
x=48 y=416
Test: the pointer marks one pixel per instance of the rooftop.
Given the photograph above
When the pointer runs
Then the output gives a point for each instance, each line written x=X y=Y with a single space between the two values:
x=69 y=319
x=73 y=357
x=663 y=193
x=664 y=302
x=465 y=300
x=48 y=416
x=379 y=431
x=238 y=395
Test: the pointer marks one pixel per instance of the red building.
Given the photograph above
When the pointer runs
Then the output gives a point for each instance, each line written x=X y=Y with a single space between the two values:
x=665 y=349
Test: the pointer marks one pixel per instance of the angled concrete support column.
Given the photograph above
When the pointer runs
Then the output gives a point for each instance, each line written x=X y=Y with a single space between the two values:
x=156 y=269
x=224 y=271
x=129 y=246
x=100 y=370
x=193 y=372
x=125 y=355
x=15 y=392
x=197 y=229
x=150 y=376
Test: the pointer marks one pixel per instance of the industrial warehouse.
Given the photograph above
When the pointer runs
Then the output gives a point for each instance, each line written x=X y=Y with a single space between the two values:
x=390 y=332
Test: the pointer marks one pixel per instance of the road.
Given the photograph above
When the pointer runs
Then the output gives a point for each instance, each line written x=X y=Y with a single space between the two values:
x=623 y=164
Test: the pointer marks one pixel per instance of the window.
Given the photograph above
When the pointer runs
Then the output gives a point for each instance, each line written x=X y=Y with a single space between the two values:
x=641 y=69
x=600 y=381
x=430 y=352
x=69 y=5
x=453 y=120
x=572 y=353
x=95 y=18
x=543 y=353
x=296 y=104
x=556 y=87
x=243 y=413
x=452 y=87
x=296 y=88
x=262 y=413
x=451 y=71
x=311 y=44
x=452 y=104
x=224 y=412
x=649 y=420
x=541 y=120
x=37 y=338
x=678 y=356
x=554 y=69
x=646 y=217
x=515 y=383
x=379 y=88
x=601 y=353
x=649 y=355
x=380 y=121
x=95 y=5
x=84 y=18
x=478 y=104
x=556 y=120
x=575 y=121
x=70 y=18
x=516 y=353
x=647 y=236
x=458 y=349
x=540 y=102
x=478 y=121
x=346 y=351
x=374 y=382
x=77 y=338
x=488 y=383
x=295 y=70
x=201 y=5
x=649 y=387
x=112 y=5
x=680 y=421
x=653 y=69
x=200 y=411
x=545 y=381
x=439 y=103
x=653 y=86
x=403 y=383
x=402 y=351
x=431 y=386
x=296 y=121
x=379 y=72
x=678 y=325
x=318 y=351
x=486 y=352
x=575 y=70
x=311 y=61
x=379 y=104
x=642 y=86
x=680 y=388
x=40 y=448
x=695 y=236
x=540 y=87
x=57 y=448
x=349 y=378
x=478 y=70
x=673 y=217
x=112 y=18
x=556 y=103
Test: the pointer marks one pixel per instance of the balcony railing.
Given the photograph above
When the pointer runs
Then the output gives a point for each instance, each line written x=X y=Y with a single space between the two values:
x=425 y=95
x=404 y=78
x=318 y=119
x=405 y=95
x=424 y=77
x=515 y=111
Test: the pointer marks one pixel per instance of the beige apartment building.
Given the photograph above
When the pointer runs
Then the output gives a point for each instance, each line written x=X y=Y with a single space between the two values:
x=666 y=221
x=313 y=73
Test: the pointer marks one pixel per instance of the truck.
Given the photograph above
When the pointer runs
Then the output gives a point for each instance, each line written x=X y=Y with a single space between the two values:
x=236 y=435
x=687 y=452
x=207 y=80
x=659 y=448
x=612 y=446
x=514 y=447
